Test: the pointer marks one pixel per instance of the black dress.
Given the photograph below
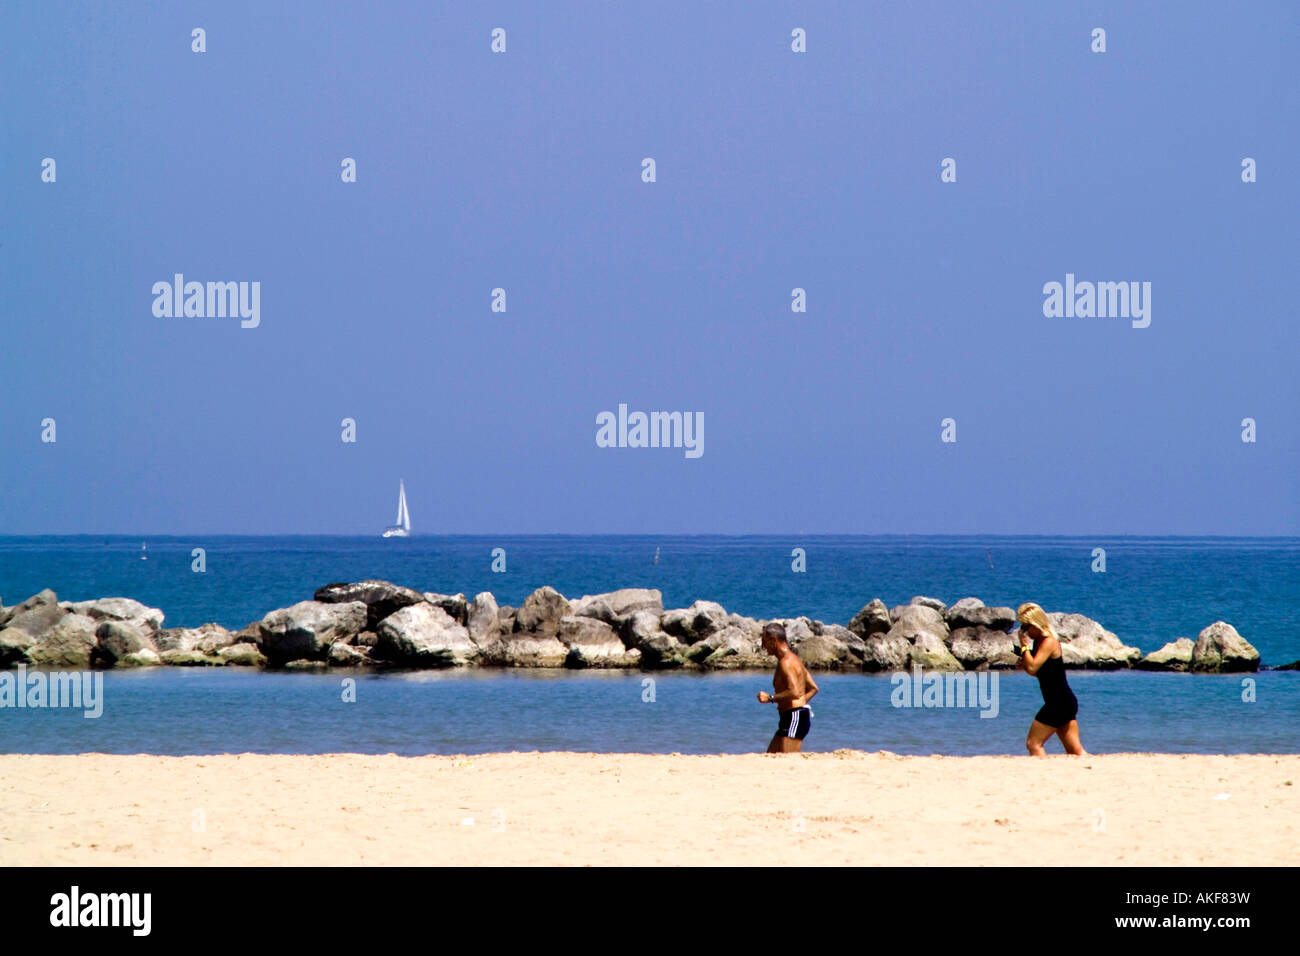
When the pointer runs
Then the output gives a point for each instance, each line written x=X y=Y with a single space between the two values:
x=1060 y=706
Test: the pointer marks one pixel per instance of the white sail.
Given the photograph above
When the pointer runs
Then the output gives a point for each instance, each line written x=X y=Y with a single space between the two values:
x=403 y=527
x=403 y=516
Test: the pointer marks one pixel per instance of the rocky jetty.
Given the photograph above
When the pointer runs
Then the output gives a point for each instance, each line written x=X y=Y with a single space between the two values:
x=380 y=624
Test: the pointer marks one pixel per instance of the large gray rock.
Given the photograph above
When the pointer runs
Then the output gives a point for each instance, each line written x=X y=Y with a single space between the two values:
x=145 y=657
x=886 y=652
x=247 y=655
x=1219 y=648
x=69 y=643
x=22 y=624
x=932 y=654
x=483 y=619
x=823 y=646
x=179 y=658
x=831 y=652
x=147 y=619
x=855 y=644
x=913 y=620
x=422 y=635
x=641 y=632
x=1086 y=644
x=663 y=651
x=118 y=640
x=250 y=634
x=694 y=623
x=979 y=647
x=45 y=596
x=616 y=606
x=1174 y=656
x=593 y=643
x=346 y=655
x=872 y=619
x=15 y=645
x=541 y=612
x=752 y=628
x=211 y=638
x=454 y=604
x=381 y=598
x=306 y=630
x=969 y=612
x=933 y=604
x=729 y=647
x=639 y=626
x=37 y=614
x=206 y=638
x=797 y=629
x=528 y=649
x=960 y=606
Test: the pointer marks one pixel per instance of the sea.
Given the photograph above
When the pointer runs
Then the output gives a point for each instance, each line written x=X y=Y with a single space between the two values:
x=1151 y=591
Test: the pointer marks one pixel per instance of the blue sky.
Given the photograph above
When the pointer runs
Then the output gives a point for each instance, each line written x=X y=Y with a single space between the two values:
x=775 y=170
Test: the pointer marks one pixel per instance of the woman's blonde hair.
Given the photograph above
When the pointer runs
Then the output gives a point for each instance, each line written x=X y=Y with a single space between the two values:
x=1030 y=613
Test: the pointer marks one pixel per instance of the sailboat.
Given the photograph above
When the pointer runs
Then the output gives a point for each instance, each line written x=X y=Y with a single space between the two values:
x=403 y=527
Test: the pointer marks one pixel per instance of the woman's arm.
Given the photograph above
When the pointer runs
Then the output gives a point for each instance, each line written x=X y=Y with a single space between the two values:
x=1045 y=648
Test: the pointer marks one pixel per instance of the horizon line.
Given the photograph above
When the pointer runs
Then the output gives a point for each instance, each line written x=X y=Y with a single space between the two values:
x=647 y=534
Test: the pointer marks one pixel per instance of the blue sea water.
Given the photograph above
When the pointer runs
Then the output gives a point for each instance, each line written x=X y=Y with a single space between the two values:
x=229 y=710
x=1153 y=590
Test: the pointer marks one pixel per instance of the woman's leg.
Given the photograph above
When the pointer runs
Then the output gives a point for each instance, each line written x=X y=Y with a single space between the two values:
x=1069 y=735
x=1039 y=733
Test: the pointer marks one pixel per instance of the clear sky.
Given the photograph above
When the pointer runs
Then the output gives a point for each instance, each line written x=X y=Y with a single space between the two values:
x=523 y=171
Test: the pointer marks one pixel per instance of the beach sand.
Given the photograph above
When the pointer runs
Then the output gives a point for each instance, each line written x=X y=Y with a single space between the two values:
x=836 y=808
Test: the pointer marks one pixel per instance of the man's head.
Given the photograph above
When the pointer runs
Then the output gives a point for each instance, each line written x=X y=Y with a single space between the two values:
x=774 y=638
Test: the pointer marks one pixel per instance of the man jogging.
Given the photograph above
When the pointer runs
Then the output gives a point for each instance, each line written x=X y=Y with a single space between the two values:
x=794 y=688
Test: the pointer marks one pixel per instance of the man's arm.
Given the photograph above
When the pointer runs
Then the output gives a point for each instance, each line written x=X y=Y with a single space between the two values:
x=810 y=686
x=792 y=679
x=810 y=689
x=791 y=671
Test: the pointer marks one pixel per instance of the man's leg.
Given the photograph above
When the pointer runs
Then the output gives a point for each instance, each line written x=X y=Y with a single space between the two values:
x=781 y=744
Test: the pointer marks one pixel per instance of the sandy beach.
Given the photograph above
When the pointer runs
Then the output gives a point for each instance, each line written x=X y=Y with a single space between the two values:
x=841 y=808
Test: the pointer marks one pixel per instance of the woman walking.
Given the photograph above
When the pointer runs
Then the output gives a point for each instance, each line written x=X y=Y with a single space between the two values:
x=1040 y=656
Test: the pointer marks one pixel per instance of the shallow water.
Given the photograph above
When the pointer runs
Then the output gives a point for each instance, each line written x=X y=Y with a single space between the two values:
x=201 y=711
x=1153 y=591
